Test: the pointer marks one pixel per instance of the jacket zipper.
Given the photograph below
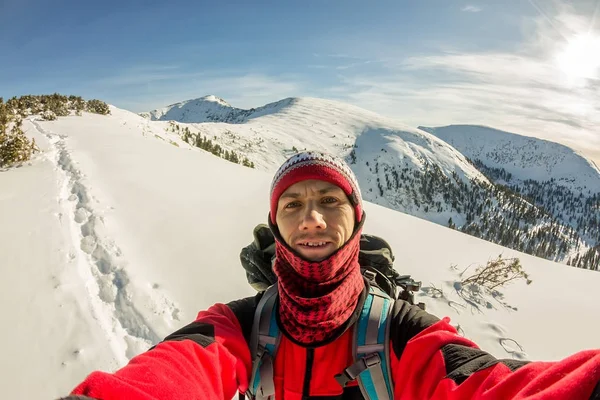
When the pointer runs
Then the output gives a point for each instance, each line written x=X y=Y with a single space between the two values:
x=310 y=355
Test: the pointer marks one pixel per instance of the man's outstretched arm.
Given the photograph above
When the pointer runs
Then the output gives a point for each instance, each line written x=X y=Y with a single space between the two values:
x=435 y=362
x=207 y=359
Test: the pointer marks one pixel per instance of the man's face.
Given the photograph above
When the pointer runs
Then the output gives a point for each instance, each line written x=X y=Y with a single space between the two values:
x=315 y=218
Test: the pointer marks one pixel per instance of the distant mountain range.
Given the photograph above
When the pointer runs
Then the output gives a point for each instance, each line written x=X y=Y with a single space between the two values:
x=524 y=157
x=521 y=192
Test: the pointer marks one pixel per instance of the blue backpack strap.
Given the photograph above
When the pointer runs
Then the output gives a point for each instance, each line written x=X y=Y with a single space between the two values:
x=371 y=348
x=264 y=342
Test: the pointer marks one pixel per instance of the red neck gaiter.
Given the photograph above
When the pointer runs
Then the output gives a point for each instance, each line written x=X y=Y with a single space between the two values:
x=317 y=298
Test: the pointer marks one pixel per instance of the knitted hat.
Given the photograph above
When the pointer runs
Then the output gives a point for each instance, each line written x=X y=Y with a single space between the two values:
x=319 y=166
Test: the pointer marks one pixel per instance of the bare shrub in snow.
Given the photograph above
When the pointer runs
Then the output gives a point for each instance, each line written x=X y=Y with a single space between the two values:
x=497 y=273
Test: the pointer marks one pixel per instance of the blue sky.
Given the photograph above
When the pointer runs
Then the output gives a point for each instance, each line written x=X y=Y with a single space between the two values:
x=427 y=62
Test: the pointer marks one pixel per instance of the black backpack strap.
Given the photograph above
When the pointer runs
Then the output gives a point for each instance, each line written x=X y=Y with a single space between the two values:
x=264 y=342
x=371 y=348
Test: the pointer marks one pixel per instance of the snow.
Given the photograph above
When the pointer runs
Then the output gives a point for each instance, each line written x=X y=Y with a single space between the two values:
x=523 y=156
x=49 y=339
x=118 y=233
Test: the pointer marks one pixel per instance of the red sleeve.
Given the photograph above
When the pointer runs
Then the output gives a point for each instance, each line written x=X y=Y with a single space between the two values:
x=438 y=363
x=208 y=359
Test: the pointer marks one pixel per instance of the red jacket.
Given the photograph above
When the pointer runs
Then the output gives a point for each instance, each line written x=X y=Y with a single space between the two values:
x=210 y=359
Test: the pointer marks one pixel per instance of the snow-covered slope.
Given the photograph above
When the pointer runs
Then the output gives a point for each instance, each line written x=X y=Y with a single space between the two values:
x=522 y=156
x=119 y=233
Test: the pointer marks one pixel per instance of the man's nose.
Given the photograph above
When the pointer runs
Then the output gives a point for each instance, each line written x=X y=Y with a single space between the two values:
x=313 y=219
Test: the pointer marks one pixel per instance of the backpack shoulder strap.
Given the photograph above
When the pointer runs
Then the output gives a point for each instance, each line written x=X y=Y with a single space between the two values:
x=371 y=348
x=264 y=342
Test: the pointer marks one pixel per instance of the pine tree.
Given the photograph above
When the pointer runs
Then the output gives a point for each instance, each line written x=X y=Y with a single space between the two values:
x=77 y=104
x=4 y=118
x=100 y=107
x=187 y=135
x=16 y=147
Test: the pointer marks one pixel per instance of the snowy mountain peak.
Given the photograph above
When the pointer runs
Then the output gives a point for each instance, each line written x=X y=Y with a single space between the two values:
x=214 y=99
x=212 y=109
x=522 y=156
x=204 y=109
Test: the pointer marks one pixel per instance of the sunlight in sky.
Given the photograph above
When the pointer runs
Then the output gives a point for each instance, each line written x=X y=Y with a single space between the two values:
x=581 y=57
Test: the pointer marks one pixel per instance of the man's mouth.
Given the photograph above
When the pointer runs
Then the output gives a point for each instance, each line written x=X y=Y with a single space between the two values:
x=313 y=243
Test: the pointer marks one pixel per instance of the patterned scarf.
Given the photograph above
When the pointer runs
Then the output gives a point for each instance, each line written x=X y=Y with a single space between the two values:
x=317 y=298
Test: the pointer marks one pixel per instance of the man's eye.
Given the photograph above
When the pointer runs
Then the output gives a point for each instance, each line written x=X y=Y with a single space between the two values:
x=292 y=204
x=329 y=200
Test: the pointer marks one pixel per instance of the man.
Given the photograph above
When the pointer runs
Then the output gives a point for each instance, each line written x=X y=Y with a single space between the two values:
x=316 y=216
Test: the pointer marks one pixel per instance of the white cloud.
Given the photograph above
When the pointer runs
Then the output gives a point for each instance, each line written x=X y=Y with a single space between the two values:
x=470 y=8
x=523 y=91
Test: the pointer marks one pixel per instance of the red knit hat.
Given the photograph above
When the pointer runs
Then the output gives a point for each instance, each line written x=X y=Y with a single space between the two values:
x=319 y=166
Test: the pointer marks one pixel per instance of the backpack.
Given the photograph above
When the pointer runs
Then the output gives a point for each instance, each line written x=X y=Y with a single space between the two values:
x=371 y=331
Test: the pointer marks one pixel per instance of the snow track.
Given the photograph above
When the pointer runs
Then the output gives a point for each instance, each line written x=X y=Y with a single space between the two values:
x=99 y=259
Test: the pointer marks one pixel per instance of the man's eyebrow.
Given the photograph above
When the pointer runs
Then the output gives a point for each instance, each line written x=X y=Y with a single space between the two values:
x=295 y=195
x=290 y=195
x=328 y=189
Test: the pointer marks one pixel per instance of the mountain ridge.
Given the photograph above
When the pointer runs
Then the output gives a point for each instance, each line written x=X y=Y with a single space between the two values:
x=211 y=108
x=414 y=171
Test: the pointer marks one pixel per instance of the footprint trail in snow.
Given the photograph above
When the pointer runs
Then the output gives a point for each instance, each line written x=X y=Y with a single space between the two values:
x=101 y=259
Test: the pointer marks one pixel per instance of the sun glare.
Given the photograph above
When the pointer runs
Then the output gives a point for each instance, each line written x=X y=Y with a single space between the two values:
x=581 y=57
